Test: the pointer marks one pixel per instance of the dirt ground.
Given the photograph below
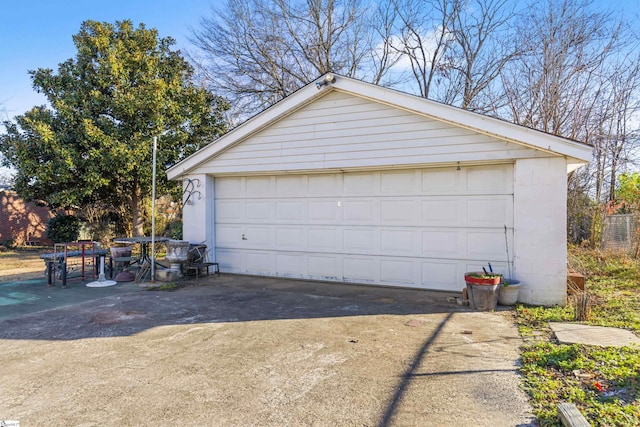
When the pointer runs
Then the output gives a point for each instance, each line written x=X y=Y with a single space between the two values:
x=21 y=265
x=237 y=350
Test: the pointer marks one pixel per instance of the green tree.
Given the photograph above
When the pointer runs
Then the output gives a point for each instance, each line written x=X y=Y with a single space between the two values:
x=628 y=191
x=94 y=143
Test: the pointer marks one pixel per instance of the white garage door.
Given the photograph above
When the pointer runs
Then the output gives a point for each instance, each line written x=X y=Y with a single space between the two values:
x=416 y=228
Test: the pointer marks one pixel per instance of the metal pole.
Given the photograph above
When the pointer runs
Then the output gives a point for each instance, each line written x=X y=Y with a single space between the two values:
x=153 y=214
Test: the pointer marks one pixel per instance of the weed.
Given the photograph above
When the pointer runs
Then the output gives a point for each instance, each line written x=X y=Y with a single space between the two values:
x=165 y=287
x=604 y=383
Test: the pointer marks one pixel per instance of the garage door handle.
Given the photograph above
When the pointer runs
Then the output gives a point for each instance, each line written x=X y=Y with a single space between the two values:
x=244 y=238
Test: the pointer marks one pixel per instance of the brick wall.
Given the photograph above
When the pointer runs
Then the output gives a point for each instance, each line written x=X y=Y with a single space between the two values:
x=22 y=222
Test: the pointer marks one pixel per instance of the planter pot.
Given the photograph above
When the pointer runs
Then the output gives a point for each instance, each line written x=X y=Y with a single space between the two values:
x=482 y=297
x=482 y=291
x=177 y=250
x=177 y=253
x=508 y=295
x=473 y=279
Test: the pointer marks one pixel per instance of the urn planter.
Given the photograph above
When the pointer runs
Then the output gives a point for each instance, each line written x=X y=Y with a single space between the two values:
x=177 y=253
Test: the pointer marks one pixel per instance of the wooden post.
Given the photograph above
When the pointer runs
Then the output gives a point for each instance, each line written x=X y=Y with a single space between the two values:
x=571 y=416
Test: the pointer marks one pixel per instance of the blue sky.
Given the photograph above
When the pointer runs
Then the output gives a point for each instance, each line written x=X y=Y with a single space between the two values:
x=37 y=34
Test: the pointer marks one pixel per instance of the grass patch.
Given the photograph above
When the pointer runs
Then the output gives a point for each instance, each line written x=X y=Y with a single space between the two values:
x=166 y=287
x=28 y=257
x=604 y=383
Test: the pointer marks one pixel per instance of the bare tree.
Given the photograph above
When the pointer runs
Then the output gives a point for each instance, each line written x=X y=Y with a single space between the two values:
x=578 y=77
x=554 y=85
x=617 y=125
x=424 y=39
x=484 y=44
x=255 y=52
x=456 y=48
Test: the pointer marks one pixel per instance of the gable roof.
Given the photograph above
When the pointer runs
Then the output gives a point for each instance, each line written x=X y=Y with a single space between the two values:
x=578 y=153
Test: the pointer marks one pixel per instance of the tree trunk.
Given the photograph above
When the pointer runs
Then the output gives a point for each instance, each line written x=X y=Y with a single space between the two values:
x=136 y=211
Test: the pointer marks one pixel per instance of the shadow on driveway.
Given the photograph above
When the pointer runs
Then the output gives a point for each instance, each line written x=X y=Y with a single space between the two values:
x=38 y=312
x=241 y=350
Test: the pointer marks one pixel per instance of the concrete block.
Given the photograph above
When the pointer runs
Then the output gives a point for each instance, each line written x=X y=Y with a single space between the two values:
x=575 y=333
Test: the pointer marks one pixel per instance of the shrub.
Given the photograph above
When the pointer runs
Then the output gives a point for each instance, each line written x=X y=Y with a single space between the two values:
x=174 y=230
x=63 y=228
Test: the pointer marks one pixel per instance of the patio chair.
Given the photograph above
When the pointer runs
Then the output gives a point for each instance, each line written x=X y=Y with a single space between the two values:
x=197 y=261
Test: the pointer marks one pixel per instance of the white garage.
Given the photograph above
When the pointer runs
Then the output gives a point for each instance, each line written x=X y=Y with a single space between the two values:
x=356 y=183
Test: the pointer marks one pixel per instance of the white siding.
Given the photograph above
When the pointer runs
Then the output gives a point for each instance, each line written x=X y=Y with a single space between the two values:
x=418 y=228
x=541 y=240
x=343 y=131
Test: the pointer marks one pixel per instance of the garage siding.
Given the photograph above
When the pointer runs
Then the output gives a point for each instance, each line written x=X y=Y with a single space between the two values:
x=340 y=131
x=417 y=227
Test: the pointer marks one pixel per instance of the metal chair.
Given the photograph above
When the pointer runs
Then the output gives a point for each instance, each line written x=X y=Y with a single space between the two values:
x=197 y=260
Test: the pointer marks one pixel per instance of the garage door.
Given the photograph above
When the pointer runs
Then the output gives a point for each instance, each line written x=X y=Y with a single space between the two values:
x=415 y=228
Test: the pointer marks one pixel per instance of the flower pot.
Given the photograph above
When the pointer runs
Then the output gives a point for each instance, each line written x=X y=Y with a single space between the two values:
x=482 y=297
x=480 y=279
x=482 y=291
x=508 y=293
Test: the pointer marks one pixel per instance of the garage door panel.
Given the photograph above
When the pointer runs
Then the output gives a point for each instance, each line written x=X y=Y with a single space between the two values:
x=439 y=275
x=324 y=185
x=231 y=261
x=420 y=228
x=399 y=211
x=292 y=265
x=291 y=238
x=230 y=211
x=362 y=240
x=258 y=237
x=259 y=262
x=360 y=269
x=489 y=180
x=490 y=244
x=397 y=272
x=324 y=267
x=360 y=183
x=494 y=211
x=397 y=242
x=291 y=185
x=441 y=212
x=229 y=236
x=258 y=211
x=324 y=239
x=361 y=211
x=441 y=243
x=498 y=267
x=323 y=211
x=440 y=181
x=289 y=211
x=229 y=188
x=401 y=182
x=260 y=186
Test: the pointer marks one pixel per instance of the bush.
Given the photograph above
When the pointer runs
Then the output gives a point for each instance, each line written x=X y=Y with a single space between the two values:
x=7 y=243
x=63 y=228
x=174 y=230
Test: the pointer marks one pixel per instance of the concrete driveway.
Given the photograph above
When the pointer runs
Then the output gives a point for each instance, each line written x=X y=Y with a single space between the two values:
x=245 y=351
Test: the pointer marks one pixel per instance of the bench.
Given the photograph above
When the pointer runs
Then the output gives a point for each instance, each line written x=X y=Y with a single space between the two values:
x=196 y=267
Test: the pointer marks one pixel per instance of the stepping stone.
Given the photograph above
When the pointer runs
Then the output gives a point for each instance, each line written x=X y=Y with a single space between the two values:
x=575 y=333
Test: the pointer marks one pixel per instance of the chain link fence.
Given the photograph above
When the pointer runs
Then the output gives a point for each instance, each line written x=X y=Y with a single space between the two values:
x=620 y=232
